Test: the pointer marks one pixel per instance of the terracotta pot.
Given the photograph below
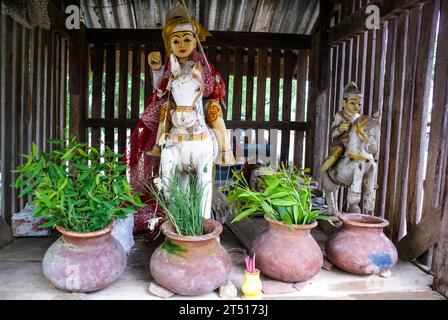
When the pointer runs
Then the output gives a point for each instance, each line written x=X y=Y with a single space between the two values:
x=286 y=254
x=191 y=265
x=84 y=262
x=361 y=247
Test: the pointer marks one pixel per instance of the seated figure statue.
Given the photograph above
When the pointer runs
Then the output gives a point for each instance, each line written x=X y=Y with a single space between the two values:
x=342 y=124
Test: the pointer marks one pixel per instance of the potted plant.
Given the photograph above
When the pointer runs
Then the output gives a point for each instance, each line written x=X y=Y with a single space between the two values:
x=191 y=260
x=80 y=191
x=286 y=251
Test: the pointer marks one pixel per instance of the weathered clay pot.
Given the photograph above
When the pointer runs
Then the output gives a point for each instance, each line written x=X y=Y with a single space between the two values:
x=361 y=247
x=84 y=262
x=191 y=265
x=286 y=254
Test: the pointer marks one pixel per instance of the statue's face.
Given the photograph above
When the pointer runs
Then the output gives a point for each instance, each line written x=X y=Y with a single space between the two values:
x=183 y=43
x=353 y=105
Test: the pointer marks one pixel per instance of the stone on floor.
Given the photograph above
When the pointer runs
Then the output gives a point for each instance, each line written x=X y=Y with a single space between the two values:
x=277 y=287
x=160 y=291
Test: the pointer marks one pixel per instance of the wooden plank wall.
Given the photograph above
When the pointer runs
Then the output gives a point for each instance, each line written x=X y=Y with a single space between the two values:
x=254 y=69
x=33 y=104
x=393 y=66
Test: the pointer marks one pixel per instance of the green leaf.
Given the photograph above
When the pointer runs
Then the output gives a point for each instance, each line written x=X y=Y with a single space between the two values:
x=26 y=191
x=244 y=214
x=270 y=189
x=325 y=218
x=128 y=210
x=280 y=195
x=287 y=220
x=34 y=150
x=283 y=202
x=54 y=141
x=296 y=214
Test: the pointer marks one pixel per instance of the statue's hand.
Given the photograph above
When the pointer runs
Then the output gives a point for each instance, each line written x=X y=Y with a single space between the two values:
x=227 y=158
x=343 y=127
x=155 y=152
x=155 y=60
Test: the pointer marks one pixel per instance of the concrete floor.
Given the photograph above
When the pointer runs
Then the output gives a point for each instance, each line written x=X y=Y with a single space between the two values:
x=21 y=276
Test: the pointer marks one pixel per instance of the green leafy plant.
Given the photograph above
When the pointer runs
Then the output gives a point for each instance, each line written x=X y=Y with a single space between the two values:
x=183 y=207
x=285 y=196
x=76 y=186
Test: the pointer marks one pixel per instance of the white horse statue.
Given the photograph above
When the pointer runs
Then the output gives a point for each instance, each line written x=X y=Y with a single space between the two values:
x=191 y=145
x=356 y=169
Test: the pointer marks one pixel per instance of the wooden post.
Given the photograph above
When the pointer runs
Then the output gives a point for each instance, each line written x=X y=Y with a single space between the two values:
x=319 y=79
x=441 y=263
x=78 y=85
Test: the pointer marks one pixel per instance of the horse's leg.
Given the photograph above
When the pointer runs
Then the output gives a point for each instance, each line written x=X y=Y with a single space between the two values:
x=369 y=190
x=329 y=188
x=354 y=192
x=205 y=176
x=184 y=181
x=167 y=166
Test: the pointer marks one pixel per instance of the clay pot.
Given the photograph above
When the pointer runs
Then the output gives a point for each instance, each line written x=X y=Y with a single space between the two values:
x=84 y=262
x=191 y=265
x=288 y=254
x=361 y=247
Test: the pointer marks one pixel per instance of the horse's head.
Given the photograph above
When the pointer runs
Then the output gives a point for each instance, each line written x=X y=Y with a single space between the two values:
x=186 y=87
x=367 y=130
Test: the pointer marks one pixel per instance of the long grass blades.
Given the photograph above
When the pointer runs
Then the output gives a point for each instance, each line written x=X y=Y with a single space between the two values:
x=182 y=203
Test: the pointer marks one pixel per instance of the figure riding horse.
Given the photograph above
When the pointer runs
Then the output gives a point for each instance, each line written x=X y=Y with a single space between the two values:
x=190 y=145
x=357 y=168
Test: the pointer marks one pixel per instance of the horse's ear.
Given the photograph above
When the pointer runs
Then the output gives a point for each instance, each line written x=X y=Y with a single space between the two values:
x=376 y=115
x=174 y=66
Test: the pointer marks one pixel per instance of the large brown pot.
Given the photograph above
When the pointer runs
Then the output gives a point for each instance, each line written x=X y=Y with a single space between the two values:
x=361 y=247
x=84 y=262
x=287 y=254
x=191 y=265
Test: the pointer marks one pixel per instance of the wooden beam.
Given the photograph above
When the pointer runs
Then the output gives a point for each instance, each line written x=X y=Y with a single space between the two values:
x=230 y=124
x=78 y=81
x=423 y=236
x=218 y=39
x=440 y=266
x=425 y=62
x=57 y=19
x=355 y=23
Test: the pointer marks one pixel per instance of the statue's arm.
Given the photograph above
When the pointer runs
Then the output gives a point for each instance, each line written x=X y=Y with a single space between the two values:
x=156 y=75
x=335 y=131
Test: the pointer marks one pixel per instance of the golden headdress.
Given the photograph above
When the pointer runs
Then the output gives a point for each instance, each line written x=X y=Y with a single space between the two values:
x=177 y=20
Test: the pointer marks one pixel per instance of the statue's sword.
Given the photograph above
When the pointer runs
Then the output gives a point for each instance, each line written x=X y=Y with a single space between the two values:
x=196 y=35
